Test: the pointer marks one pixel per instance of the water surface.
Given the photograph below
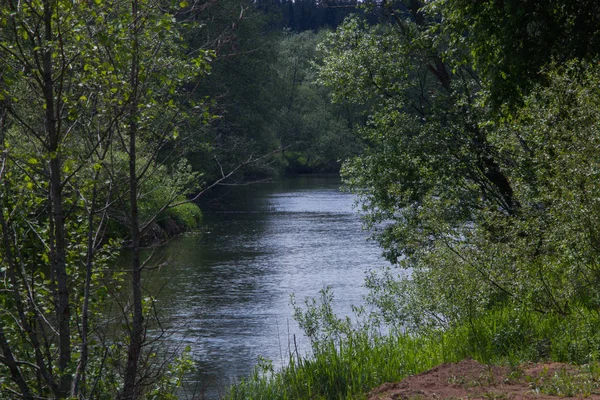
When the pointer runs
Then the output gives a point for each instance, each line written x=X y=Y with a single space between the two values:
x=227 y=289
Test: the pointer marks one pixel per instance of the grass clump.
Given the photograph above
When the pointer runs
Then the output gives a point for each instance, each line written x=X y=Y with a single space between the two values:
x=345 y=370
x=187 y=215
x=578 y=382
x=348 y=361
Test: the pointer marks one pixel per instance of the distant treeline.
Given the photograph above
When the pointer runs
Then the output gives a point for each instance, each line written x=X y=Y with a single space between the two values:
x=306 y=15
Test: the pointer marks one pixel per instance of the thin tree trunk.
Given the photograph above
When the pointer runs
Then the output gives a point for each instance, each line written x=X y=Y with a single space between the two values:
x=131 y=390
x=80 y=375
x=58 y=256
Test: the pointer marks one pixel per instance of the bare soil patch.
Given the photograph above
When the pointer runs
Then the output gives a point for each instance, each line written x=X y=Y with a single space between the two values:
x=469 y=379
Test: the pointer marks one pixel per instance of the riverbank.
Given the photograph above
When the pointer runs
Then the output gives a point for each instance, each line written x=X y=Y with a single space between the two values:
x=350 y=364
x=172 y=222
x=469 y=379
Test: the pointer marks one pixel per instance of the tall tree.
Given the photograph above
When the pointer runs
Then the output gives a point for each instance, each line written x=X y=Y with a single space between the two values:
x=424 y=123
x=511 y=41
x=457 y=180
x=77 y=98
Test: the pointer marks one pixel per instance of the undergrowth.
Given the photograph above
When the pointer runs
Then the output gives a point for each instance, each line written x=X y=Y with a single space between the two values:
x=348 y=363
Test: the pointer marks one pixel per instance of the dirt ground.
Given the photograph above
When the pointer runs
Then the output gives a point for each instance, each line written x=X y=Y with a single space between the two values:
x=469 y=379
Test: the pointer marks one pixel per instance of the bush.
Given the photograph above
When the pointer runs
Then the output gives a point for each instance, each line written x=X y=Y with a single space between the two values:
x=187 y=215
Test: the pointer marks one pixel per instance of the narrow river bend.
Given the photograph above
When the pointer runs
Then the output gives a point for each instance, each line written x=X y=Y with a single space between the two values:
x=227 y=289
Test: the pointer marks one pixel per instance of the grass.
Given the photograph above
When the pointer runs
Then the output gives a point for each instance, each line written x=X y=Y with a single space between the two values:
x=346 y=369
x=578 y=382
x=343 y=371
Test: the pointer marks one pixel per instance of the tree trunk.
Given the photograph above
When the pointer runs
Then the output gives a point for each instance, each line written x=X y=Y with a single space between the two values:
x=58 y=247
x=131 y=390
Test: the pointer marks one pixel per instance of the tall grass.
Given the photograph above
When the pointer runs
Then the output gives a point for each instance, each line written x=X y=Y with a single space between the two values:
x=359 y=361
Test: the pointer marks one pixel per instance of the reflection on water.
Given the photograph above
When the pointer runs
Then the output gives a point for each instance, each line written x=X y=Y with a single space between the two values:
x=227 y=289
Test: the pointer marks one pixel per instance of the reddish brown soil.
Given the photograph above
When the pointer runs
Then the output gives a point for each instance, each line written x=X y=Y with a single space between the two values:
x=469 y=379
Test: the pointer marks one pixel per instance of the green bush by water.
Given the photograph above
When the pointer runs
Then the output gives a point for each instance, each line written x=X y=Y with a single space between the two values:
x=187 y=215
x=348 y=367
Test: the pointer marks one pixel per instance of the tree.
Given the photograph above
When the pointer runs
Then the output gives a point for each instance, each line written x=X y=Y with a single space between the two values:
x=450 y=185
x=315 y=134
x=241 y=80
x=423 y=123
x=84 y=85
x=509 y=42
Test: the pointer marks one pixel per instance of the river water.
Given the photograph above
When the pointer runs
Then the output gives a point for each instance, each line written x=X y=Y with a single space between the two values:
x=225 y=291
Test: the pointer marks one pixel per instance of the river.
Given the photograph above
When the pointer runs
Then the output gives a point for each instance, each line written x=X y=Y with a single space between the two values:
x=226 y=290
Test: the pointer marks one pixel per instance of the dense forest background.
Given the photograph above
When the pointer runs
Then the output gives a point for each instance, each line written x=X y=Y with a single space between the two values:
x=263 y=86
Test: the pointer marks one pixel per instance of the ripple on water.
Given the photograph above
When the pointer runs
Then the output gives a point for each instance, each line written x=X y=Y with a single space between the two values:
x=227 y=291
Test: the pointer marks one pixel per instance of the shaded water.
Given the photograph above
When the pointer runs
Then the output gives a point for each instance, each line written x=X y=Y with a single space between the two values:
x=227 y=289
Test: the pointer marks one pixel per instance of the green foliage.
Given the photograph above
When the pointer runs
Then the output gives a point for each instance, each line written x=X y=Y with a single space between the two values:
x=78 y=86
x=241 y=83
x=554 y=146
x=315 y=134
x=187 y=215
x=509 y=42
x=351 y=360
x=319 y=322
x=483 y=211
x=172 y=378
x=582 y=382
